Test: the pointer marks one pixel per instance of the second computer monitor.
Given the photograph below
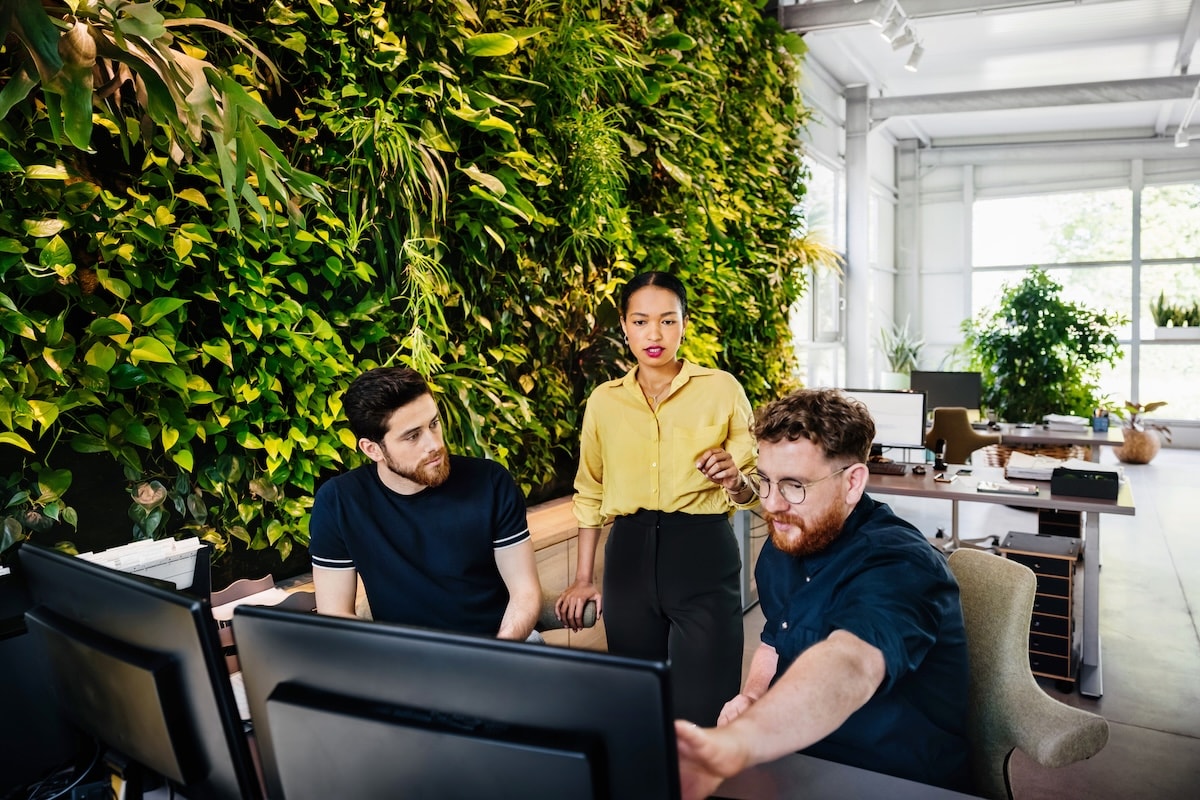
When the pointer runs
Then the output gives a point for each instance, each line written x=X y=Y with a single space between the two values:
x=949 y=389
x=349 y=708
x=899 y=417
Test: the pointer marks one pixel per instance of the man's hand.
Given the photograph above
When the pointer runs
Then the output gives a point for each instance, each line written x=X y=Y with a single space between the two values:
x=734 y=708
x=707 y=756
x=570 y=604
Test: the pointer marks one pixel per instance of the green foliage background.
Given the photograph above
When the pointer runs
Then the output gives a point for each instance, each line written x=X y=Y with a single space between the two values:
x=493 y=172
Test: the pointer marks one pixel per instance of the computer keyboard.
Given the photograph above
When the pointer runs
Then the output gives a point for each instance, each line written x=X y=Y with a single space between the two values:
x=886 y=468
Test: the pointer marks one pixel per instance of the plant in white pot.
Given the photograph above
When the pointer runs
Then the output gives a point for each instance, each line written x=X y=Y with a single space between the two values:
x=902 y=348
x=1143 y=438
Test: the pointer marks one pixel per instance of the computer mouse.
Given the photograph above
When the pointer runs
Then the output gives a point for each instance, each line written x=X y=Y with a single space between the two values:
x=918 y=470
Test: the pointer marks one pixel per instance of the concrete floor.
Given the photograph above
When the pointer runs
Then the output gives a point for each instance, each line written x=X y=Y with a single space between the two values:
x=1150 y=640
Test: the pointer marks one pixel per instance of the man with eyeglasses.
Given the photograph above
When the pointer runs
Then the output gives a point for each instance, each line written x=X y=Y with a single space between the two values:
x=864 y=655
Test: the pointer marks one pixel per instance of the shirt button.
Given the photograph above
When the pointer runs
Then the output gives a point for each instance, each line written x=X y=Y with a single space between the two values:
x=807 y=579
x=654 y=463
x=784 y=626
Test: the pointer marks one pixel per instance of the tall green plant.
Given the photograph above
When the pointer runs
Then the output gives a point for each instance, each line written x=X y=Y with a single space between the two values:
x=1041 y=354
x=495 y=171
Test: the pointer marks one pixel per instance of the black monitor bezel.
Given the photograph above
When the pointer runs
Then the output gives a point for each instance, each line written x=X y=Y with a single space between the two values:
x=937 y=397
x=533 y=686
x=169 y=635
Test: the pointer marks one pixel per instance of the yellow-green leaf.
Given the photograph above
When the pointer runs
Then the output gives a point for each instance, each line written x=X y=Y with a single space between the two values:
x=147 y=348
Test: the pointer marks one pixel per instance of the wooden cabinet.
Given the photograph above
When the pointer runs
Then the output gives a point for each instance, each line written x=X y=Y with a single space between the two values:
x=1052 y=628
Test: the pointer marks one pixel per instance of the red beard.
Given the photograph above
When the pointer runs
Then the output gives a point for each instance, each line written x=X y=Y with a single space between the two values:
x=814 y=535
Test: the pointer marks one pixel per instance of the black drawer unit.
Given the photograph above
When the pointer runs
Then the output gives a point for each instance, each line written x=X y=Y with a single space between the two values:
x=1052 y=627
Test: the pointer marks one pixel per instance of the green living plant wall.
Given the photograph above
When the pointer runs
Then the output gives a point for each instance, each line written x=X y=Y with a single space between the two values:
x=487 y=175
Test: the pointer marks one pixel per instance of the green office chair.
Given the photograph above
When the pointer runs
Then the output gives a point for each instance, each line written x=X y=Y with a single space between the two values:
x=952 y=424
x=1008 y=709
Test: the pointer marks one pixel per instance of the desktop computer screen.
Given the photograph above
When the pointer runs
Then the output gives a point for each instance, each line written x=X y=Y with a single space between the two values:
x=948 y=389
x=899 y=416
x=349 y=708
x=137 y=666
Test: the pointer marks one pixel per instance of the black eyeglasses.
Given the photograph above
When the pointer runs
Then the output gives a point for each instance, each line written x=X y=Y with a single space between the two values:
x=791 y=491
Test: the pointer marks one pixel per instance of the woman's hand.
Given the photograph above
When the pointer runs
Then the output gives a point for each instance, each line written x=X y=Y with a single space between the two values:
x=717 y=465
x=570 y=604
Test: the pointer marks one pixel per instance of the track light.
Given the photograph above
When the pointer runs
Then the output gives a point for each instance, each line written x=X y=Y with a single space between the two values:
x=883 y=12
x=1181 y=134
x=893 y=28
x=914 y=58
x=904 y=39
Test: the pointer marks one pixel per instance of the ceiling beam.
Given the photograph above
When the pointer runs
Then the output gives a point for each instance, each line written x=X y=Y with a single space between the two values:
x=1056 y=152
x=1176 y=87
x=847 y=13
x=1187 y=40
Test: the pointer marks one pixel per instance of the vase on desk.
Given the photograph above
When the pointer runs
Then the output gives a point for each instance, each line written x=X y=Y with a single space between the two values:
x=1140 y=446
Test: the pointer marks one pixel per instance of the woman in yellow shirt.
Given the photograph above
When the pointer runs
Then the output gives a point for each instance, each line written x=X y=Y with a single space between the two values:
x=663 y=453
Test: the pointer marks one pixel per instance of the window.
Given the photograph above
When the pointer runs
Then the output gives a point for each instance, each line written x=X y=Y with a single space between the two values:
x=1084 y=240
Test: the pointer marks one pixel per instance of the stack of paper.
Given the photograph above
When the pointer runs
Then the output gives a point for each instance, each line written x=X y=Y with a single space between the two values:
x=1030 y=467
x=1066 y=422
x=166 y=559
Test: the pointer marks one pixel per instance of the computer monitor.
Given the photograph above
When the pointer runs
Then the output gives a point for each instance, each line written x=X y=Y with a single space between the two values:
x=137 y=665
x=899 y=416
x=349 y=708
x=949 y=389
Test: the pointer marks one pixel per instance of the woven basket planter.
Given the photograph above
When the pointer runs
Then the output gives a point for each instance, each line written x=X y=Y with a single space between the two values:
x=997 y=455
x=1140 y=446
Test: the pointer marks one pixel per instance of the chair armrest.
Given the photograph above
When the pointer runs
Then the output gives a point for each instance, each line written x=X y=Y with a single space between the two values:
x=1055 y=734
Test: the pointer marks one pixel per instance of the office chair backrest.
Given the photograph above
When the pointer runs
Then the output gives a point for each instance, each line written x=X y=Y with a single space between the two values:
x=1008 y=709
x=953 y=424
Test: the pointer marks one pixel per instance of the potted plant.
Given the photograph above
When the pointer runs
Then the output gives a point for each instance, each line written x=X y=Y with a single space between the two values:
x=902 y=348
x=1175 y=320
x=1143 y=438
x=1040 y=354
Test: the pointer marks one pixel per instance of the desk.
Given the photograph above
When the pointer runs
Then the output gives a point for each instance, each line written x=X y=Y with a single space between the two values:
x=811 y=778
x=963 y=489
x=1013 y=436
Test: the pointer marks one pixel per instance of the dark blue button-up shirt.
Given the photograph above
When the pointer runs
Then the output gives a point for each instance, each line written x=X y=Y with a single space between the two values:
x=882 y=581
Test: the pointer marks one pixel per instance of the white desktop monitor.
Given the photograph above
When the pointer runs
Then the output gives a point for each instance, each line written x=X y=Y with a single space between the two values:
x=899 y=417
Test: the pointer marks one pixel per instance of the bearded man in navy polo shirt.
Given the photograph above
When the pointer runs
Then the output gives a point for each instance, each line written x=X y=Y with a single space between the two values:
x=863 y=657
x=440 y=541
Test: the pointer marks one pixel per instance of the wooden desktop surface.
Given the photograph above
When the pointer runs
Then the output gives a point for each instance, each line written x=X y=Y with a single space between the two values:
x=963 y=487
x=1015 y=436
x=801 y=776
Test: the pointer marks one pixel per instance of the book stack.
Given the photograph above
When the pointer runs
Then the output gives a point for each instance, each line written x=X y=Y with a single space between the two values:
x=1031 y=467
x=1067 y=422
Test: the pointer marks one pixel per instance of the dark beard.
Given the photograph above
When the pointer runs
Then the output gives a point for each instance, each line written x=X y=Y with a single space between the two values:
x=815 y=536
x=422 y=474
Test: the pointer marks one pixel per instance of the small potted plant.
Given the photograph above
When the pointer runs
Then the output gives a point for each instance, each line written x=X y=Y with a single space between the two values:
x=902 y=348
x=1175 y=320
x=1143 y=438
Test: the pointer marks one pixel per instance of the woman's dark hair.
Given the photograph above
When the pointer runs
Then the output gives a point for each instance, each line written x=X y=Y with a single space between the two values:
x=839 y=425
x=375 y=395
x=663 y=280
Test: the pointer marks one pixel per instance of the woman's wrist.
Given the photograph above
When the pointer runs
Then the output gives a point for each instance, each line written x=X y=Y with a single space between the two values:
x=741 y=491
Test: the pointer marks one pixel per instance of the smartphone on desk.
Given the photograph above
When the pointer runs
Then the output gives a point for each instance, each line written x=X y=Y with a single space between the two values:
x=963 y=471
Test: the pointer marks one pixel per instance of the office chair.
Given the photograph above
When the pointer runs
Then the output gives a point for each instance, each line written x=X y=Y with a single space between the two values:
x=952 y=424
x=1008 y=709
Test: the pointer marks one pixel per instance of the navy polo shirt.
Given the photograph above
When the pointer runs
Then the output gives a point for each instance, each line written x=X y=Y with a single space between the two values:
x=882 y=581
x=425 y=559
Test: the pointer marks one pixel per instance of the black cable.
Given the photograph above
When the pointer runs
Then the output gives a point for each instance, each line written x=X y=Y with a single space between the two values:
x=78 y=780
